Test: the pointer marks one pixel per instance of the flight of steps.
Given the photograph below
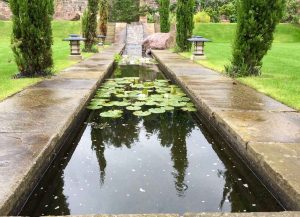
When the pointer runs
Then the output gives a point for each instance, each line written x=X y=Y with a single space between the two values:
x=134 y=39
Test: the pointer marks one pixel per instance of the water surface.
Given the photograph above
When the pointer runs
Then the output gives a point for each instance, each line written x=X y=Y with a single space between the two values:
x=163 y=163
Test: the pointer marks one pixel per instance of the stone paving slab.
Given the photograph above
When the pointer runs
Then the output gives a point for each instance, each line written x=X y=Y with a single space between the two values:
x=262 y=130
x=35 y=122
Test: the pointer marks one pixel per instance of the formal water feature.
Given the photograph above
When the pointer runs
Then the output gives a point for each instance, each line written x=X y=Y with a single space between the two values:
x=166 y=162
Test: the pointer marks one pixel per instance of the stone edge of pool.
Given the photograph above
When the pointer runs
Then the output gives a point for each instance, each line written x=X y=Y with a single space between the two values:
x=38 y=120
x=264 y=132
x=205 y=214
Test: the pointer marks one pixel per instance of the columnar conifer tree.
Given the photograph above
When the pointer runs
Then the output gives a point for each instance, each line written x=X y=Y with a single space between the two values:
x=89 y=25
x=257 y=20
x=185 y=23
x=103 y=16
x=164 y=6
x=32 y=36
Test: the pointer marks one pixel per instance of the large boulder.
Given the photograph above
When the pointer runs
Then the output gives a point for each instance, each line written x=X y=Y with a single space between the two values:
x=158 y=41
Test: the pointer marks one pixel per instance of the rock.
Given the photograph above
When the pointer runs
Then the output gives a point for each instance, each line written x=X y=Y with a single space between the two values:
x=158 y=41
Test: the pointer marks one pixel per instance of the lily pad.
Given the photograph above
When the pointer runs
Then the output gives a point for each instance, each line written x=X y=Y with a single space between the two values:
x=141 y=113
x=189 y=109
x=151 y=103
x=109 y=104
x=168 y=108
x=177 y=104
x=138 y=104
x=112 y=114
x=133 y=108
x=157 y=110
x=94 y=107
x=122 y=103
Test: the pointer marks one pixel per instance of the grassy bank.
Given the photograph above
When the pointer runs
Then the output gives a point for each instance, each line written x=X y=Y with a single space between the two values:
x=8 y=68
x=281 y=69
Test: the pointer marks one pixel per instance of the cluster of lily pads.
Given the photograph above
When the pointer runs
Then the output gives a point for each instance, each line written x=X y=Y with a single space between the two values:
x=143 y=98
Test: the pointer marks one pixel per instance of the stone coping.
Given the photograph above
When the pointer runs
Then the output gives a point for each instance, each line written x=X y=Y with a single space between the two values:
x=264 y=132
x=205 y=214
x=36 y=121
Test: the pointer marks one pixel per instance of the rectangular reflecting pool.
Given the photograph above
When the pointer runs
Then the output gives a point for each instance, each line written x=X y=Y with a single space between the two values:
x=165 y=162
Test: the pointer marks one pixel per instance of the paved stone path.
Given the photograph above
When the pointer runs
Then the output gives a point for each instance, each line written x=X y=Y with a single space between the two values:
x=35 y=121
x=265 y=132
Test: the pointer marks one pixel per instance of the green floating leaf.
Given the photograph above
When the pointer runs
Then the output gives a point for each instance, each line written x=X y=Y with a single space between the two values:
x=157 y=110
x=133 y=108
x=138 y=104
x=168 y=108
x=141 y=113
x=151 y=103
x=109 y=104
x=189 y=109
x=177 y=104
x=121 y=104
x=94 y=107
x=112 y=114
x=190 y=104
x=184 y=99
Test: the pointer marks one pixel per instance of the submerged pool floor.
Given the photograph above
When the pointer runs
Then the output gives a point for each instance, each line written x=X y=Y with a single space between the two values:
x=162 y=163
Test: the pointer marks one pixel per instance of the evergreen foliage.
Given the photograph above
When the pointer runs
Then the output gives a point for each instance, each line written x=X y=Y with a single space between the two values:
x=185 y=23
x=32 y=36
x=257 y=20
x=124 y=11
x=103 y=16
x=164 y=15
x=89 y=25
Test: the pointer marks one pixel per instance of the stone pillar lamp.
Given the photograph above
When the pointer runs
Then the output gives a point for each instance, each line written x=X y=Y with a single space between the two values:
x=74 y=40
x=198 y=44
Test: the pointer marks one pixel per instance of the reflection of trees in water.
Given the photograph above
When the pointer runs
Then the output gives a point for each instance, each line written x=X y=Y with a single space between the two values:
x=115 y=133
x=173 y=129
x=235 y=174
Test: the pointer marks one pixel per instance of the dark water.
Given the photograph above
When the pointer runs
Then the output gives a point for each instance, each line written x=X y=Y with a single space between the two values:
x=164 y=163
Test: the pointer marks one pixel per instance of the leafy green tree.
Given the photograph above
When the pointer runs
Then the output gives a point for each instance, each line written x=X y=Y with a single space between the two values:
x=103 y=16
x=32 y=36
x=185 y=23
x=164 y=6
x=89 y=25
x=292 y=11
x=124 y=11
x=257 y=20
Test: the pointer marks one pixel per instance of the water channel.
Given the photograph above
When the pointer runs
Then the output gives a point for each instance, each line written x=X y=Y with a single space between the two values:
x=162 y=163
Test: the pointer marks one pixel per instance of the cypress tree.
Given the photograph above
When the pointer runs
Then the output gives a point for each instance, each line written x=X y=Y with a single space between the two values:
x=164 y=15
x=32 y=36
x=89 y=25
x=103 y=16
x=185 y=23
x=257 y=20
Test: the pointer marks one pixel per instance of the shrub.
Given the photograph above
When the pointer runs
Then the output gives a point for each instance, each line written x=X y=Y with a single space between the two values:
x=164 y=15
x=103 y=16
x=185 y=23
x=229 y=11
x=201 y=17
x=292 y=12
x=89 y=25
x=257 y=20
x=32 y=36
x=124 y=11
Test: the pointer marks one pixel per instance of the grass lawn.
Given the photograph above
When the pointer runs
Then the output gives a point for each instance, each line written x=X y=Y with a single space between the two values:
x=8 y=86
x=280 y=77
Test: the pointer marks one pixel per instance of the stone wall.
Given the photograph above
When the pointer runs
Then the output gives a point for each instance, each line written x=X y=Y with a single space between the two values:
x=69 y=9
x=5 y=13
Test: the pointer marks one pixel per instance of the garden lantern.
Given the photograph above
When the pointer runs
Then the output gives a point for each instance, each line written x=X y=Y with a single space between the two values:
x=101 y=39
x=75 y=45
x=198 y=43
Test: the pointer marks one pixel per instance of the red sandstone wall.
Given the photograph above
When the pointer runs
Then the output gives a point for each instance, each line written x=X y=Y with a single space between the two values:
x=5 y=13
